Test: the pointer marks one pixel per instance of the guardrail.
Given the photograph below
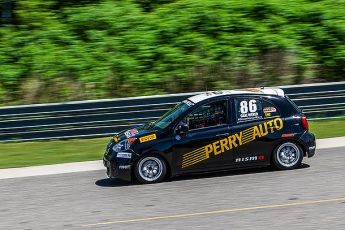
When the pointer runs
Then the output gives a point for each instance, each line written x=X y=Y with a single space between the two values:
x=98 y=118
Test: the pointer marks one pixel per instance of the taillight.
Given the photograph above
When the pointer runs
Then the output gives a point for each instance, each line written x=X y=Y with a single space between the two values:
x=305 y=123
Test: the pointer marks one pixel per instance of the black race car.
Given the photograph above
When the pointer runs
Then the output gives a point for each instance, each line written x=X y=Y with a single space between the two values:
x=218 y=130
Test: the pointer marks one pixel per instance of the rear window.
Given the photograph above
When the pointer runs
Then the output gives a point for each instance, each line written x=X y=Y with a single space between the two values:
x=293 y=104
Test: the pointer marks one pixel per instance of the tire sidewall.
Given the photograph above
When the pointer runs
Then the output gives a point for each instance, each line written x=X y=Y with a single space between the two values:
x=297 y=164
x=144 y=158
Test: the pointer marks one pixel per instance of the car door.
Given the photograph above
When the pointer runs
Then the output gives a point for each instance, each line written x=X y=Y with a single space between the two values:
x=205 y=145
x=259 y=125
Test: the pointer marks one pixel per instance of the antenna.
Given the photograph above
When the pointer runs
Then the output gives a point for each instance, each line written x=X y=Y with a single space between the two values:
x=265 y=84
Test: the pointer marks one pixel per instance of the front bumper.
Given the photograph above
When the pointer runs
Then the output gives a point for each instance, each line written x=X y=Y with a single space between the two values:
x=114 y=170
x=111 y=170
x=117 y=167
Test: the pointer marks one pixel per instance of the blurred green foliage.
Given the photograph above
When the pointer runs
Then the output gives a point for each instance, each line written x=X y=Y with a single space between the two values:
x=91 y=49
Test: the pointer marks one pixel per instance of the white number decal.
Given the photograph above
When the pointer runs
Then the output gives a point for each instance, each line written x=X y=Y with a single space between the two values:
x=244 y=107
x=252 y=106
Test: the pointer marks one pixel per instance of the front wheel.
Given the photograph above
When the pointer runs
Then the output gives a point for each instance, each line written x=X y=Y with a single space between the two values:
x=287 y=155
x=150 y=169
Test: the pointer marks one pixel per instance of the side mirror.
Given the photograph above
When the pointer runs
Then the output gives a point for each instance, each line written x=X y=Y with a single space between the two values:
x=183 y=128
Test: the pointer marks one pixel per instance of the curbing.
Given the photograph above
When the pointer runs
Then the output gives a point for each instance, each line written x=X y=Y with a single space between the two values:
x=98 y=165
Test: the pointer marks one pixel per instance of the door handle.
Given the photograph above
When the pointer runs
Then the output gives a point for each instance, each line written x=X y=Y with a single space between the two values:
x=222 y=135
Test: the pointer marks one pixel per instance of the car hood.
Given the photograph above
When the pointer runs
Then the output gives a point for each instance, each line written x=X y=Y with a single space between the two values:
x=139 y=131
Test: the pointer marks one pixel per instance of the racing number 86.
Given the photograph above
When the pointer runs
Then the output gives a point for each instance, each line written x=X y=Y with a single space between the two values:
x=252 y=106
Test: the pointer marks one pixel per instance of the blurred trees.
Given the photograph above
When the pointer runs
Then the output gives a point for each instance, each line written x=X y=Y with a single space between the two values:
x=90 y=49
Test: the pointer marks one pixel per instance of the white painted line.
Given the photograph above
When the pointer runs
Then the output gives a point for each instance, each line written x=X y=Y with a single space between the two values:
x=98 y=165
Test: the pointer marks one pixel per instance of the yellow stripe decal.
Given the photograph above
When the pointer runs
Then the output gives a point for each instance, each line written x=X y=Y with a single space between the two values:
x=231 y=141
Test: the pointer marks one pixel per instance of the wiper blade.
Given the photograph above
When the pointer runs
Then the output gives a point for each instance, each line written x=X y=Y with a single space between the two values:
x=150 y=125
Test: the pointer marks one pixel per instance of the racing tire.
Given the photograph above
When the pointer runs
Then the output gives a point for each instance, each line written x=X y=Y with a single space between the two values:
x=150 y=169
x=287 y=155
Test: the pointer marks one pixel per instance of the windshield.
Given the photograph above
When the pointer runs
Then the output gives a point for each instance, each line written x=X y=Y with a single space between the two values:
x=172 y=114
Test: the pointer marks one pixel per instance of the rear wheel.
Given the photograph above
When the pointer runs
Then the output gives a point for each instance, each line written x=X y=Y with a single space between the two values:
x=150 y=169
x=287 y=155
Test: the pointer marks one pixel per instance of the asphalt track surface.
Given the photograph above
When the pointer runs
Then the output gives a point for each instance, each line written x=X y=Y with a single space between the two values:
x=312 y=197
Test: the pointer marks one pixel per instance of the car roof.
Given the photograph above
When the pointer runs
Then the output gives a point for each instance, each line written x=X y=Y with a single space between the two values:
x=264 y=90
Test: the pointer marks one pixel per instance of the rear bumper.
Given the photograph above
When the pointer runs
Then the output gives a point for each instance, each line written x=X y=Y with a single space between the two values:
x=309 y=143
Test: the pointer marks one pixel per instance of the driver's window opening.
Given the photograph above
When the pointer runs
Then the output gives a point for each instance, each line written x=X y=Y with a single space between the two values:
x=211 y=114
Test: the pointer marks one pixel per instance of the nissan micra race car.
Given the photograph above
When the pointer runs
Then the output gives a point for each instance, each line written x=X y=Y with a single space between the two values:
x=218 y=130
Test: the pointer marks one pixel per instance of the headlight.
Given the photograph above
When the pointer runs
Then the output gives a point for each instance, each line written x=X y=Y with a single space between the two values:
x=123 y=145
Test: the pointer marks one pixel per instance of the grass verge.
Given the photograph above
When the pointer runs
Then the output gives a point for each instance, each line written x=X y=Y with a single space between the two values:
x=328 y=128
x=20 y=154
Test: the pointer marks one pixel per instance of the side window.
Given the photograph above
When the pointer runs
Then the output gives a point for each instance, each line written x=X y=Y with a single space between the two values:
x=248 y=109
x=269 y=110
x=208 y=115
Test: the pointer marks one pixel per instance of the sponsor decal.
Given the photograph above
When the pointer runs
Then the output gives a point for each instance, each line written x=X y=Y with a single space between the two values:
x=249 y=116
x=131 y=133
x=252 y=90
x=178 y=137
x=231 y=142
x=147 y=138
x=116 y=140
x=288 y=135
x=270 y=109
x=252 y=158
x=267 y=114
x=127 y=134
x=124 y=155
x=124 y=167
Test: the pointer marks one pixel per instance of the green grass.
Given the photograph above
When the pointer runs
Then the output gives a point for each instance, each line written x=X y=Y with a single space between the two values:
x=19 y=154
x=328 y=128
